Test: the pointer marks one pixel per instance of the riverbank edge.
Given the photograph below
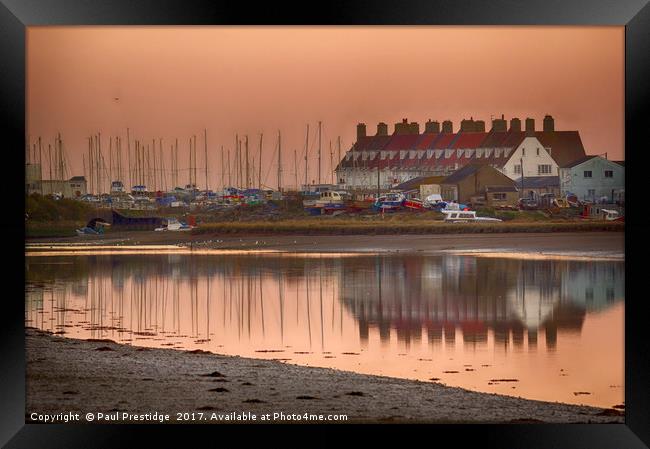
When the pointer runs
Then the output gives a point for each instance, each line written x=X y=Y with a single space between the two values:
x=407 y=228
x=355 y=227
x=65 y=374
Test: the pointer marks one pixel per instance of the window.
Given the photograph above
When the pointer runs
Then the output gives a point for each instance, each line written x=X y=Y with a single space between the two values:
x=609 y=173
x=587 y=174
x=499 y=196
x=538 y=151
x=591 y=193
x=518 y=169
x=544 y=169
x=523 y=152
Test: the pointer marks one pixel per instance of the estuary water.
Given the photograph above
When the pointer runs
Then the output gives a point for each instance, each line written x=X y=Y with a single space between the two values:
x=549 y=329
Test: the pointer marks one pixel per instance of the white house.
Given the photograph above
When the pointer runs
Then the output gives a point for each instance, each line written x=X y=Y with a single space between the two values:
x=592 y=178
x=535 y=158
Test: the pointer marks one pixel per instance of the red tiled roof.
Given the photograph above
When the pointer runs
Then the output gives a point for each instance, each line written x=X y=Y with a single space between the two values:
x=402 y=142
x=494 y=139
x=469 y=140
x=566 y=147
x=444 y=141
x=425 y=141
x=363 y=143
x=513 y=139
x=378 y=143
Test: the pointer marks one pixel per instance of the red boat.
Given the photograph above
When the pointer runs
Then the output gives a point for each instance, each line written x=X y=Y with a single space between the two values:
x=414 y=204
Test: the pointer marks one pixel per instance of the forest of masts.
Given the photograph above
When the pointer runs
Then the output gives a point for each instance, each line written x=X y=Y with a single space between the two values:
x=155 y=165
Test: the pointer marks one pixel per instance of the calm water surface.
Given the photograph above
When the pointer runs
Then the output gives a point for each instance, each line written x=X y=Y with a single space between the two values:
x=540 y=329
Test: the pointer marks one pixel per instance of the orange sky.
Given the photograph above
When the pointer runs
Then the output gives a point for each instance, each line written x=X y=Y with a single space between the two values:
x=176 y=81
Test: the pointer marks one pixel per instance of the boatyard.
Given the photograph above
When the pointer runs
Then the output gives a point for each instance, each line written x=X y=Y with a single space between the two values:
x=436 y=177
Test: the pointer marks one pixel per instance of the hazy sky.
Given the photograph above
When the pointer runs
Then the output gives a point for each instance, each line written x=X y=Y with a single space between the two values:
x=175 y=81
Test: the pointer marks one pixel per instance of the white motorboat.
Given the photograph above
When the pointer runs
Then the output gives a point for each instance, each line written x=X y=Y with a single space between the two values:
x=462 y=216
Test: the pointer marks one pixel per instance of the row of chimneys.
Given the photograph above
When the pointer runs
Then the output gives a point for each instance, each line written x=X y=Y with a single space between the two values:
x=471 y=125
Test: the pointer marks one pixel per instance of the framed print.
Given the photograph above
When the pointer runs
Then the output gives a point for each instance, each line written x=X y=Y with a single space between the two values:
x=369 y=216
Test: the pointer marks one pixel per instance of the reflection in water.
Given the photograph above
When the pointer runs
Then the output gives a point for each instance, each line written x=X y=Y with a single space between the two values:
x=556 y=327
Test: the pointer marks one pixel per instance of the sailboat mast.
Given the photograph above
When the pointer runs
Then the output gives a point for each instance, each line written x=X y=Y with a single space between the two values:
x=339 y=156
x=248 y=179
x=223 y=186
x=110 y=158
x=279 y=162
x=319 y=151
x=99 y=160
x=259 y=169
x=156 y=187
x=163 y=174
x=331 y=164
x=128 y=150
x=236 y=155
x=205 y=141
x=295 y=168
x=306 y=155
x=229 y=171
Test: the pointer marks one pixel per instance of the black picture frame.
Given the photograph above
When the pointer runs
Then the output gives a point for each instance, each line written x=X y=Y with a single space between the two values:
x=16 y=15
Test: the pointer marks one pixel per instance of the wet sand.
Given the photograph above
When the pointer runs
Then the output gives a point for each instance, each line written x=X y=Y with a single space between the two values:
x=66 y=375
x=595 y=244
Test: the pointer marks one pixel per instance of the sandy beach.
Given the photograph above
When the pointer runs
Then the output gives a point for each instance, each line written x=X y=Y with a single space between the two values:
x=65 y=375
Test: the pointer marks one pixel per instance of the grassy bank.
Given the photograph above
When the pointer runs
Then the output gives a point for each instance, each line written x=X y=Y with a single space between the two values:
x=355 y=227
x=52 y=229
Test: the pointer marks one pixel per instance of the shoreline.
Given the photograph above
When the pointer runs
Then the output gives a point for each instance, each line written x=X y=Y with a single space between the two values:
x=84 y=376
x=586 y=245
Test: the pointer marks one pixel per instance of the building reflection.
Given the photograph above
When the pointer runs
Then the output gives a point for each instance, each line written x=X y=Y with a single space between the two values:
x=512 y=299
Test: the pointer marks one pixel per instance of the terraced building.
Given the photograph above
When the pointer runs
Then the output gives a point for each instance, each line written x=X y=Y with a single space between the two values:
x=388 y=159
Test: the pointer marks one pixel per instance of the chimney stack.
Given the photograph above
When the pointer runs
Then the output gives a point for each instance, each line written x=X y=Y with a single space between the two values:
x=431 y=127
x=447 y=127
x=467 y=126
x=414 y=128
x=530 y=126
x=361 y=130
x=548 y=124
x=382 y=129
x=515 y=124
x=499 y=124
x=401 y=128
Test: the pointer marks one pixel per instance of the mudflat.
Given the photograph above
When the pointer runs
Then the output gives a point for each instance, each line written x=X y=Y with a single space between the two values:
x=67 y=375
x=584 y=243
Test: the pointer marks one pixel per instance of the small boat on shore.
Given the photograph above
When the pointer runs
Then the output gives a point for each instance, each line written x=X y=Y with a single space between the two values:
x=414 y=204
x=389 y=202
x=464 y=216
x=172 y=224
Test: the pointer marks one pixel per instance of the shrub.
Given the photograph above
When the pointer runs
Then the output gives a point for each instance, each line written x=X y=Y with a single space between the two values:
x=507 y=215
x=42 y=208
x=486 y=212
